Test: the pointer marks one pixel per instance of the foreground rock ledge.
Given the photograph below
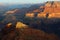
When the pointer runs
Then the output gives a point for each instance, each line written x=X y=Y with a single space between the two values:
x=28 y=34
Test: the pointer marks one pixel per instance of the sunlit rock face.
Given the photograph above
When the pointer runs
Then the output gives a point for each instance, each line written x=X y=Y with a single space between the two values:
x=41 y=15
x=18 y=25
x=48 y=4
x=54 y=15
x=52 y=8
x=9 y=25
x=30 y=15
x=11 y=12
x=21 y=25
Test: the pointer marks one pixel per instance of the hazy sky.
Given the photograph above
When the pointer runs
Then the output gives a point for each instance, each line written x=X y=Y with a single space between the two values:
x=24 y=1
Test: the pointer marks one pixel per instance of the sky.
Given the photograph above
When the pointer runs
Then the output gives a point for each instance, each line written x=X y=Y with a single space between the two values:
x=24 y=1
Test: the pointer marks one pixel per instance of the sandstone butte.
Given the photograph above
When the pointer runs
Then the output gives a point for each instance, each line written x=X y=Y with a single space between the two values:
x=52 y=9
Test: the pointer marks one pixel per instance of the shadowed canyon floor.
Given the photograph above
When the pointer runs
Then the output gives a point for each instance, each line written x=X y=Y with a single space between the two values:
x=28 y=34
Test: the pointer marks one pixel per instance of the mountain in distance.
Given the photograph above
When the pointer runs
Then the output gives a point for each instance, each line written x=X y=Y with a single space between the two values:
x=13 y=6
x=5 y=7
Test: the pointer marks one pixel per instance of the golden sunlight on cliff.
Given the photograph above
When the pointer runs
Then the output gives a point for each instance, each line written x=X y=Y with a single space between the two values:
x=52 y=9
x=11 y=12
x=29 y=14
x=20 y=25
x=9 y=25
x=54 y=15
x=57 y=3
x=48 y=4
x=42 y=15
x=55 y=7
